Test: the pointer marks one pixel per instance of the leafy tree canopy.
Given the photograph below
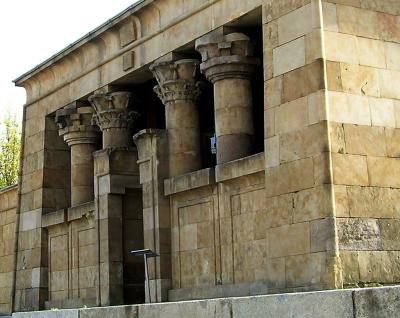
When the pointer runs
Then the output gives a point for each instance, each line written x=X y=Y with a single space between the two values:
x=10 y=144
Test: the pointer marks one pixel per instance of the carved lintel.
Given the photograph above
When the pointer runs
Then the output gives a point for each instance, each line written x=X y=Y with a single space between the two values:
x=226 y=56
x=177 y=80
x=112 y=110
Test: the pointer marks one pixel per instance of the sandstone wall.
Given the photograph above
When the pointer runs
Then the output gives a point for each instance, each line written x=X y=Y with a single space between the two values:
x=302 y=243
x=8 y=204
x=362 y=45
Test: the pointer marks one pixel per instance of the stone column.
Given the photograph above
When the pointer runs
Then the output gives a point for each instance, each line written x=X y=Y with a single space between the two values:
x=116 y=170
x=178 y=91
x=228 y=62
x=113 y=116
x=74 y=122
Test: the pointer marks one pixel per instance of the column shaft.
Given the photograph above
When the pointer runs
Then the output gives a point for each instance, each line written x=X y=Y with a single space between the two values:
x=182 y=122
x=233 y=104
x=82 y=173
x=228 y=63
x=178 y=91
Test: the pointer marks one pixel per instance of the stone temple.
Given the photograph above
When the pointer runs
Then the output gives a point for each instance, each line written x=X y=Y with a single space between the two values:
x=253 y=145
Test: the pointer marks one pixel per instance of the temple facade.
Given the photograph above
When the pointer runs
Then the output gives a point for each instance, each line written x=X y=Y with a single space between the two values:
x=252 y=145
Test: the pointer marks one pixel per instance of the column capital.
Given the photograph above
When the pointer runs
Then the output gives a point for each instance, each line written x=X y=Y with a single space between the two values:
x=226 y=56
x=112 y=110
x=75 y=124
x=177 y=80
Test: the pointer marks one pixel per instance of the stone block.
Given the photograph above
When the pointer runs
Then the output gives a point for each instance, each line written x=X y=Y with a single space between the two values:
x=349 y=108
x=323 y=305
x=317 y=110
x=379 y=266
x=360 y=80
x=387 y=83
x=358 y=234
x=376 y=302
x=294 y=24
x=384 y=171
x=341 y=47
x=291 y=116
x=290 y=177
x=303 y=143
x=368 y=24
x=337 y=139
x=279 y=210
x=322 y=235
x=312 y=204
x=289 y=56
x=240 y=167
x=66 y=313
x=271 y=152
x=390 y=234
x=382 y=112
x=329 y=17
x=392 y=142
x=392 y=54
x=372 y=52
x=273 y=92
x=116 y=312
x=189 y=181
x=200 y=309
x=303 y=81
x=350 y=270
x=373 y=202
x=289 y=240
x=305 y=270
x=350 y=169
x=365 y=140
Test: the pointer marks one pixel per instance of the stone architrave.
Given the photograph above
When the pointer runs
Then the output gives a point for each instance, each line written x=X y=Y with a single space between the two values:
x=178 y=90
x=74 y=122
x=114 y=117
x=228 y=62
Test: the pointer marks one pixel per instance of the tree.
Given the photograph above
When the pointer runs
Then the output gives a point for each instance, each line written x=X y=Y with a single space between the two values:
x=10 y=144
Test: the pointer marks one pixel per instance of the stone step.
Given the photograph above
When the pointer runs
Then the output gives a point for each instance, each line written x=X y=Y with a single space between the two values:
x=349 y=303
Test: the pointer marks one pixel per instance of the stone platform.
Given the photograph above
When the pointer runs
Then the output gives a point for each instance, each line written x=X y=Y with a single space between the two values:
x=350 y=303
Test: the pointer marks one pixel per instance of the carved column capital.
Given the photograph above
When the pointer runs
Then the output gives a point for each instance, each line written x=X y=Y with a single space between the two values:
x=112 y=110
x=75 y=124
x=176 y=80
x=226 y=56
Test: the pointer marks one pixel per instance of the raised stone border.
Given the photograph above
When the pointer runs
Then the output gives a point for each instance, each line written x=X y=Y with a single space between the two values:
x=351 y=303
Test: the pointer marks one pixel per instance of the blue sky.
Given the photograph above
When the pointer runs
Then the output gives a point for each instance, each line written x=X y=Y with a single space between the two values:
x=32 y=31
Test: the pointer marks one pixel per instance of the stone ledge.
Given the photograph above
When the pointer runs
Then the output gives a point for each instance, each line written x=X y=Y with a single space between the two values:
x=77 y=212
x=240 y=167
x=189 y=181
x=348 y=303
x=54 y=218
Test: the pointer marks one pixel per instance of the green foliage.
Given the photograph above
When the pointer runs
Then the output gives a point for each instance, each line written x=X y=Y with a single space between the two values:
x=10 y=144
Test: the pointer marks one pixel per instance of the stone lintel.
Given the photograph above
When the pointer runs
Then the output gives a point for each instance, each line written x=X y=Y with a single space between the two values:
x=80 y=211
x=54 y=218
x=189 y=181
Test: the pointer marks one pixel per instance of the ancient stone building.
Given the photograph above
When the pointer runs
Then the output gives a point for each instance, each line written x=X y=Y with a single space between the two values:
x=253 y=145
